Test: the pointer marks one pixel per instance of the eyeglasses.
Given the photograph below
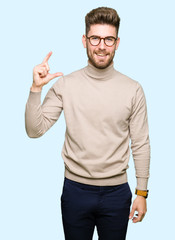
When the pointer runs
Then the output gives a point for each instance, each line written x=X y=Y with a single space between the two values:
x=95 y=40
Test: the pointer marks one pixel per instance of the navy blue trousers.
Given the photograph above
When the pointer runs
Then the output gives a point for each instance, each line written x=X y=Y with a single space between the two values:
x=85 y=206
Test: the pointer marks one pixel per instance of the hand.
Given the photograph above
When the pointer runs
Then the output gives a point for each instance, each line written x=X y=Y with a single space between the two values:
x=41 y=75
x=139 y=205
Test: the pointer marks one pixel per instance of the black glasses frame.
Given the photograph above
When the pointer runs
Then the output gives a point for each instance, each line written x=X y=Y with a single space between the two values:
x=101 y=39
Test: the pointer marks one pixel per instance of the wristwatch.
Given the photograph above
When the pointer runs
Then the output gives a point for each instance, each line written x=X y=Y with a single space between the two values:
x=143 y=193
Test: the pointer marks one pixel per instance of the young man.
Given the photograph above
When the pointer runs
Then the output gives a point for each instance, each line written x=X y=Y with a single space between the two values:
x=103 y=110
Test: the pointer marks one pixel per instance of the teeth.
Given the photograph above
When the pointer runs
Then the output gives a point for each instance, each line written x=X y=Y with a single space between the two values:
x=101 y=54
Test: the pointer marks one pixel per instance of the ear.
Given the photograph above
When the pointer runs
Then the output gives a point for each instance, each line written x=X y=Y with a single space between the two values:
x=84 y=41
x=117 y=44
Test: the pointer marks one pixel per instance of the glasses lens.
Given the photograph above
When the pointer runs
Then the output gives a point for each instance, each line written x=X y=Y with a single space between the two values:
x=109 y=41
x=94 y=40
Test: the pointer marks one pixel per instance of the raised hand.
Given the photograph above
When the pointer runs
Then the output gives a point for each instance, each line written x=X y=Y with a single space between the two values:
x=41 y=75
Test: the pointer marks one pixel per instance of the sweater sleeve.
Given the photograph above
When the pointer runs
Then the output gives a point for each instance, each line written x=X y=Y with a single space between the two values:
x=139 y=134
x=40 y=117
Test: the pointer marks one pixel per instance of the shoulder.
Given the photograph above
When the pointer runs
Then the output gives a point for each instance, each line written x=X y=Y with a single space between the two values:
x=74 y=75
x=124 y=78
x=68 y=79
x=127 y=81
x=129 y=86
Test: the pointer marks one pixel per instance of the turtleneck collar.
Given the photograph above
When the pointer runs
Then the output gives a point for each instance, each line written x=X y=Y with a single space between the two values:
x=99 y=74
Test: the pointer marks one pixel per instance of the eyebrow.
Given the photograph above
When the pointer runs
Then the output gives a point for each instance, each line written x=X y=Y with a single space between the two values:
x=102 y=37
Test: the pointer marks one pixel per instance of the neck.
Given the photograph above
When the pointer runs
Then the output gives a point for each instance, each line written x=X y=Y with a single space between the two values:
x=98 y=73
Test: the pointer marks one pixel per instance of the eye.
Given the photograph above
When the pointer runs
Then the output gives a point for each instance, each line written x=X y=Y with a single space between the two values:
x=94 y=38
x=109 y=39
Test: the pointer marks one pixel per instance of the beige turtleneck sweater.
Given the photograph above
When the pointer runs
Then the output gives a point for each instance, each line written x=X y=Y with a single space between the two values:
x=103 y=110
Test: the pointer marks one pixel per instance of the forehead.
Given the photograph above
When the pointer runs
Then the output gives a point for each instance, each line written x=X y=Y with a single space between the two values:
x=102 y=30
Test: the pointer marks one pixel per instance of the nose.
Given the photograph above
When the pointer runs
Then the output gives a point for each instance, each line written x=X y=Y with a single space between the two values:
x=102 y=44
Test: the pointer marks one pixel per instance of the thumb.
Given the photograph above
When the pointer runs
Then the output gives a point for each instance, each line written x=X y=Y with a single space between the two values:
x=54 y=75
x=132 y=213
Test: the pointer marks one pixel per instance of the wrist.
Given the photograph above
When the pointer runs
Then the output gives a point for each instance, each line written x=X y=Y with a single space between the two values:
x=142 y=193
x=140 y=197
x=35 y=88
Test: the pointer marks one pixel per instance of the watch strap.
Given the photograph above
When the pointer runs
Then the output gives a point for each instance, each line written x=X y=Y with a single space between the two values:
x=143 y=193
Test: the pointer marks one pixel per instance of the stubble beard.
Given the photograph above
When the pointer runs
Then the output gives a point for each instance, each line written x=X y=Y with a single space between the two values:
x=98 y=64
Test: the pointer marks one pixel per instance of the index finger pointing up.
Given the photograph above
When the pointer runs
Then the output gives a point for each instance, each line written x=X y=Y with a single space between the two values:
x=47 y=57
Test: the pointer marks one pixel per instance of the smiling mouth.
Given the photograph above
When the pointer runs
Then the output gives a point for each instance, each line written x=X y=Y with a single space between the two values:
x=101 y=55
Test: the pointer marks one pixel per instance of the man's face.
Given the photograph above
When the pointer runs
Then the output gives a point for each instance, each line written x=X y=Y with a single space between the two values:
x=101 y=56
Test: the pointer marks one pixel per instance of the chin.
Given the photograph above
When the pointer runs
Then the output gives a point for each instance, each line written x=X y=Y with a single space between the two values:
x=101 y=65
x=98 y=64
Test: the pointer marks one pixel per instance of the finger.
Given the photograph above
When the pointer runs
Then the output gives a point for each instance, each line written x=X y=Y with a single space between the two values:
x=47 y=57
x=131 y=213
x=42 y=71
x=135 y=220
x=47 y=67
x=52 y=76
x=43 y=74
x=139 y=218
x=141 y=215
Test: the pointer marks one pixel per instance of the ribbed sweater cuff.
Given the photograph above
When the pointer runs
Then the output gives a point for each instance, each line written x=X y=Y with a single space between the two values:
x=34 y=98
x=142 y=183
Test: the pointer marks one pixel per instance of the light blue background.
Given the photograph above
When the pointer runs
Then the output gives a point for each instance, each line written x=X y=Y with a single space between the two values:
x=32 y=170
